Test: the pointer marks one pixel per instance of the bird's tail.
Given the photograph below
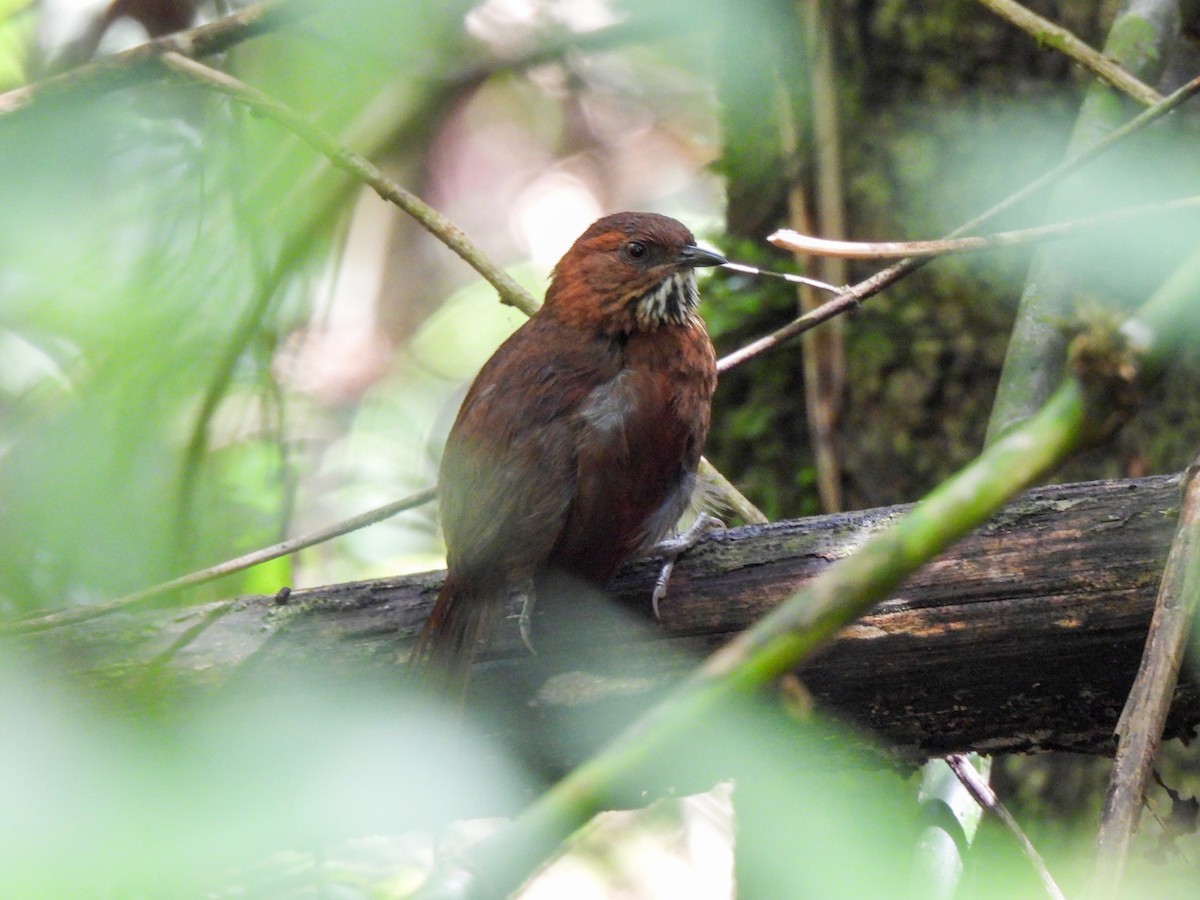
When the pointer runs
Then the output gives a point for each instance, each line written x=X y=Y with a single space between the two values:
x=462 y=616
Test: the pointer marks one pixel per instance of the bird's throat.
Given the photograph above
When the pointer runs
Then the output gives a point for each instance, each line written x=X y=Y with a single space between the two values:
x=671 y=301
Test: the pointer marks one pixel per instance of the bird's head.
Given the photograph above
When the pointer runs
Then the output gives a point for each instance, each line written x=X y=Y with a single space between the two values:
x=629 y=272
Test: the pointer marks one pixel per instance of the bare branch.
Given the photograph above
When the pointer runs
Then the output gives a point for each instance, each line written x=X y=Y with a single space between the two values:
x=257 y=557
x=1048 y=34
x=123 y=69
x=815 y=246
x=978 y=788
x=361 y=168
x=1140 y=727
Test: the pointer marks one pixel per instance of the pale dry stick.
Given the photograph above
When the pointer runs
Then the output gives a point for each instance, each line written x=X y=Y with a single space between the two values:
x=983 y=794
x=1049 y=34
x=362 y=169
x=854 y=294
x=1139 y=730
x=815 y=246
x=257 y=557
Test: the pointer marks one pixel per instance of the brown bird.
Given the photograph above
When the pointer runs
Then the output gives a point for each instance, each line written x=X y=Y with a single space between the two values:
x=576 y=446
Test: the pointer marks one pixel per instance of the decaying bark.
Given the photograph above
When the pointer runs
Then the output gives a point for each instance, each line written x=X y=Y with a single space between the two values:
x=1024 y=637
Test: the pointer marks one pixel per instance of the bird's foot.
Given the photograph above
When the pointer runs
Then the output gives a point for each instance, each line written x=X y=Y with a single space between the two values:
x=525 y=619
x=672 y=548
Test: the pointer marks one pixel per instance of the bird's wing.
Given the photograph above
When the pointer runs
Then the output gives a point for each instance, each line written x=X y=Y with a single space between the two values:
x=508 y=472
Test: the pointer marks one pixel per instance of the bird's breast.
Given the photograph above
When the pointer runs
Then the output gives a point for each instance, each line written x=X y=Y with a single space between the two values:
x=638 y=439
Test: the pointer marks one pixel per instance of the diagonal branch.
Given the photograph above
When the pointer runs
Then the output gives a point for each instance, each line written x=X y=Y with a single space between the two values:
x=1048 y=34
x=983 y=794
x=362 y=169
x=123 y=69
x=203 y=576
x=1140 y=728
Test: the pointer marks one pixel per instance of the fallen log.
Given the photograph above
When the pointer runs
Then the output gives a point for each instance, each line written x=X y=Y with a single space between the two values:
x=1024 y=637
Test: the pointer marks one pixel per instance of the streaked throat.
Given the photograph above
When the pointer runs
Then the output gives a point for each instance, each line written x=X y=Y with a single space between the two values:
x=671 y=301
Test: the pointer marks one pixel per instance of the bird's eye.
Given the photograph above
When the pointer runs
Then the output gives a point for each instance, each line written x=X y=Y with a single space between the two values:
x=636 y=250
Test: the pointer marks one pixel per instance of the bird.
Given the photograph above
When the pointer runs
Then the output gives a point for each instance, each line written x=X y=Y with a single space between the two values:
x=576 y=446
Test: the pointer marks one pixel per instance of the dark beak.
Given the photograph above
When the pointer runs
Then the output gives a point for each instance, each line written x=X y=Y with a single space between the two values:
x=695 y=257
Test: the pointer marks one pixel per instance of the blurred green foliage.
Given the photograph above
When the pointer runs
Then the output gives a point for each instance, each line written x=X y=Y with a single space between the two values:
x=104 y=796
x=16 y=26
x=159 y=249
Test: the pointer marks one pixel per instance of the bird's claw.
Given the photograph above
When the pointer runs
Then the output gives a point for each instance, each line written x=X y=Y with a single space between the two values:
x=672 y=548
x=525 y=622
x=660 y=584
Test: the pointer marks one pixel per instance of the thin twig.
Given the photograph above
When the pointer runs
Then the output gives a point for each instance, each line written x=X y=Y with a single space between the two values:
x=122 y=69
x=853 y=295
x=361 y=168
x=1049 y=34
x=783 y=276
x=293 y=545
x=815 y=246
x=1139 y=730
x=1133 y=126
x=987 y=799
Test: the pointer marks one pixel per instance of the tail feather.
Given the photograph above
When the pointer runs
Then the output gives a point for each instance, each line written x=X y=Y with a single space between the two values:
x=445 y=648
